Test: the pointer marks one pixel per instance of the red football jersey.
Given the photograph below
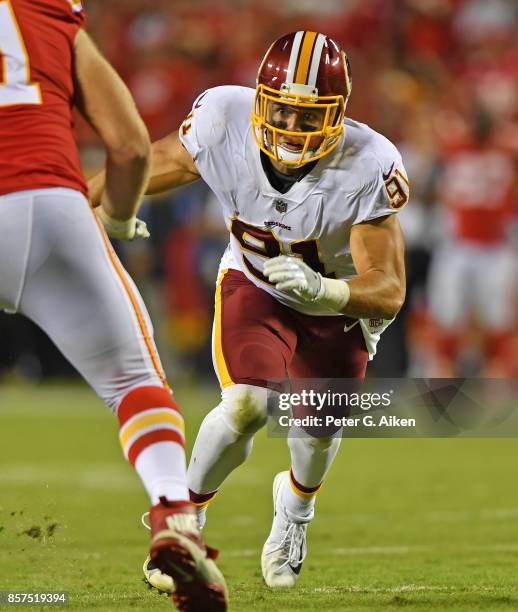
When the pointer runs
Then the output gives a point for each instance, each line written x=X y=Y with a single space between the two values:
x=477 y=189
x=37 y=142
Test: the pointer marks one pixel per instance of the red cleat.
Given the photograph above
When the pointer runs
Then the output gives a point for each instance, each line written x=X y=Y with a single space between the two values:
x=177 y=549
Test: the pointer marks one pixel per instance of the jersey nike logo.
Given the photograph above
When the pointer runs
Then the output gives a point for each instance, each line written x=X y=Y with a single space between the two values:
x=198 y=102
x=387 y=175
x=296 y=568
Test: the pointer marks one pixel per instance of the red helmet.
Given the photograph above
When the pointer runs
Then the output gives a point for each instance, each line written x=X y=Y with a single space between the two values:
x=302 y=70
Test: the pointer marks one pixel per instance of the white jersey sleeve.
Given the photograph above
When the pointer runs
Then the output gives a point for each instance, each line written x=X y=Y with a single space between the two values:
x=204 y=126
x=218 y=115
x=386 y=188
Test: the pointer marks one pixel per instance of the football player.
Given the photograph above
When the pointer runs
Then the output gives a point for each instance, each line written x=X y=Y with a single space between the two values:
x=473 y=272
x=314 y=270
x=57 y=266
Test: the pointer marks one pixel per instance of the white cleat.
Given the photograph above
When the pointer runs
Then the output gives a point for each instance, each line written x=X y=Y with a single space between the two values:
x=285 y=549
x=152 y=574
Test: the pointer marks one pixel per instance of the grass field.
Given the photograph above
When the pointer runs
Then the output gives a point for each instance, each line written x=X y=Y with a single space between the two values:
x=401 y=524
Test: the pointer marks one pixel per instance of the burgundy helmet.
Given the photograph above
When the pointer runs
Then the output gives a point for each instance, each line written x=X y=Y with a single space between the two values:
x=302 y=69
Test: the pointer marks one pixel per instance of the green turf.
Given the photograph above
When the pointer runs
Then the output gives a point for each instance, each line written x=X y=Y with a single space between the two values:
x=401 y=524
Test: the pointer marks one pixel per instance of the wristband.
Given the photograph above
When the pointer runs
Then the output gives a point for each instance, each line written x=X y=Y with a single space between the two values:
x=333 y=294
x=116 y=228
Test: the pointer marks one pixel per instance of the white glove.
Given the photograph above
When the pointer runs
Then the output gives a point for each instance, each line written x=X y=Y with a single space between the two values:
x=130 y=229
x=291 y=274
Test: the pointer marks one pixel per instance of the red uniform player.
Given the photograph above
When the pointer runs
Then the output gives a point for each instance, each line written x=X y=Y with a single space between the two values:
x=473 y=274
x=36 y=94
x=57 y=266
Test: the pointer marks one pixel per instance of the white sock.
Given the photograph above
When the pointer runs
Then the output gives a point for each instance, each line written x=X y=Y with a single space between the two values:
x=154 y=466
x=311 y=459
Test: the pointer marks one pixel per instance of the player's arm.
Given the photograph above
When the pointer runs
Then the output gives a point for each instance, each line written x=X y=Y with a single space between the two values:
x=106 y=103
x=378 y=291
x=171 y=166
x=378 y=252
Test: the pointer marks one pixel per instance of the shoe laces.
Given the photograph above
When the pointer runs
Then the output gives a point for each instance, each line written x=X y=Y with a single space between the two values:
x=293 y=544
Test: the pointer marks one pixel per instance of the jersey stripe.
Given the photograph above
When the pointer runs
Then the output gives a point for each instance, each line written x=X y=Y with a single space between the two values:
x=305 y=57
x=140 y=317
x=315 y=62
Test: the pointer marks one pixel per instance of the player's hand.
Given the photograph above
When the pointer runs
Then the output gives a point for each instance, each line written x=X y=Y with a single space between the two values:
x=291 y=274
x=131 y=229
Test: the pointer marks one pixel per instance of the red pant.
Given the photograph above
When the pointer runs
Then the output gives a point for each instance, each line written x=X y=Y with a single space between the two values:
x=256 y=338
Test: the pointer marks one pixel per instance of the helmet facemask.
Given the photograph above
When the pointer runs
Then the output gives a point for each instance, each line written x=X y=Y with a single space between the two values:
x=315 y=142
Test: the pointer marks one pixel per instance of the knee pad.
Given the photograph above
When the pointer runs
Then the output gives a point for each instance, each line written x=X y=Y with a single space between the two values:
x=244 y=407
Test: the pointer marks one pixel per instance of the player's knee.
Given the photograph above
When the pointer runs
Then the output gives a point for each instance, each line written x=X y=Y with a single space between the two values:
x=245 y=407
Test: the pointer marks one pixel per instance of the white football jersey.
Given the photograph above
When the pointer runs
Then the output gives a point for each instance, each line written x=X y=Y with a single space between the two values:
x=362 y=179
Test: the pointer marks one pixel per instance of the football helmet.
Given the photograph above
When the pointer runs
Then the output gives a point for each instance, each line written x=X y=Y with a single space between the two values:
x=307 y=72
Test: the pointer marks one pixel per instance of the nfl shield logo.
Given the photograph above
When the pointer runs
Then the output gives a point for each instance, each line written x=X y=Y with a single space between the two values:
x=281 y=206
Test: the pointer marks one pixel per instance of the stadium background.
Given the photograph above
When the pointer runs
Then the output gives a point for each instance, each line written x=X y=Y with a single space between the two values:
x=426 y=73
x=420 y=524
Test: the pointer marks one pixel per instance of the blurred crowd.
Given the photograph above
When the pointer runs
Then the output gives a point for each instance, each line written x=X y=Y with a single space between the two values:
x=437 y=77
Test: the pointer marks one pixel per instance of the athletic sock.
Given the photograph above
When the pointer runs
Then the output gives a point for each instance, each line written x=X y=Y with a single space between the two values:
x=152 y=438
x=297 y=498
x=202 y=501
x=311 y=459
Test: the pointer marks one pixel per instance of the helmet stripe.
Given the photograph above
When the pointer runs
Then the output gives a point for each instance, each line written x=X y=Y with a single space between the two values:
x=292 y=65
x=347 y=75
x=305 y=57
x=315 y=62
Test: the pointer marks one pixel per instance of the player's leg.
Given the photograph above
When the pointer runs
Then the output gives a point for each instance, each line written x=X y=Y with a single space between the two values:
x=77 y=291
x=495 y=287
x=16 y=224
x=449 y=288
x=324 y=351
x=253 y=342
